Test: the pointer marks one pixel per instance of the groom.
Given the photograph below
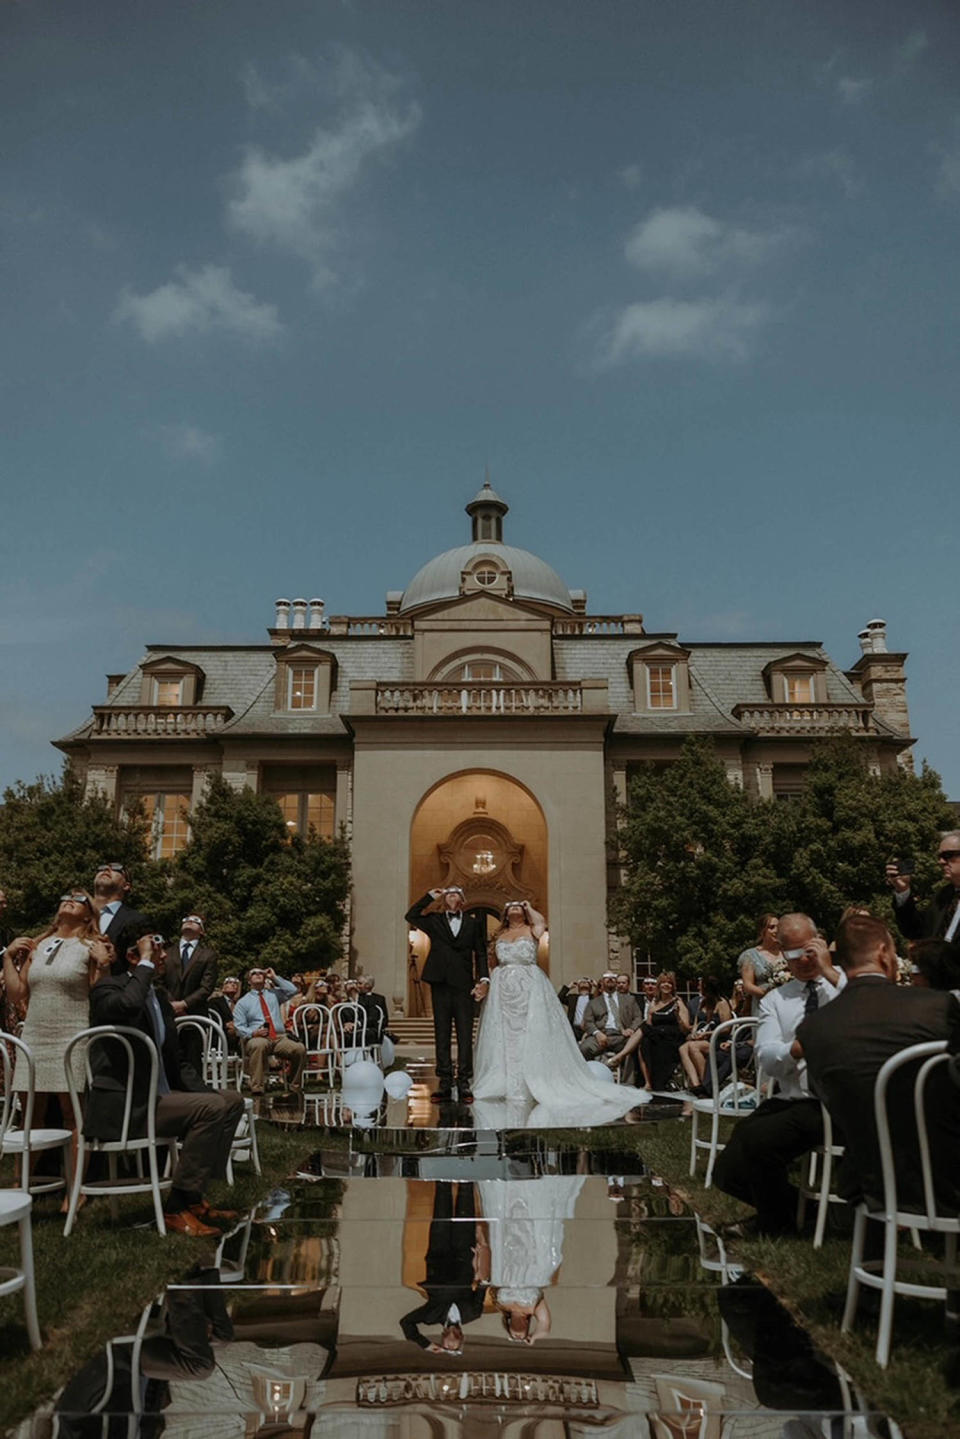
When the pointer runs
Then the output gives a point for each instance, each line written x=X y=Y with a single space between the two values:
x=456 y=971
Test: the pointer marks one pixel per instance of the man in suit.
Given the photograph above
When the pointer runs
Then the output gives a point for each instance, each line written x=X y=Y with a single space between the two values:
x=454 y=1294
x=203 y=1120
x=190 y=980
x=375 y=1006
x=756 y=1162
x=940 y=919
x=846 y=1044
x=456 y=971
x=576 y=1004
x=222 y=1005
x=120 y=923
x=609 y=1019
x=647 y=996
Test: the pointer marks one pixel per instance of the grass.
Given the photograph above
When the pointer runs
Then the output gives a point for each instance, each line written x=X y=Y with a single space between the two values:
x=94 y=1285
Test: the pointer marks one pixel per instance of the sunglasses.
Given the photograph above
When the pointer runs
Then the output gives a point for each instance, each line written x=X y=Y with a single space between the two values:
x=116 y=868
x=77 y=898
x=946 y=855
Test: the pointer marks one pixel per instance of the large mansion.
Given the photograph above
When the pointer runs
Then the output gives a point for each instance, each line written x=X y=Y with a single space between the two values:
x=479 y=731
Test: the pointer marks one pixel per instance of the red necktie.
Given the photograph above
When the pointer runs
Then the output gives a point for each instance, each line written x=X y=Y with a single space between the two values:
x=267 y=1018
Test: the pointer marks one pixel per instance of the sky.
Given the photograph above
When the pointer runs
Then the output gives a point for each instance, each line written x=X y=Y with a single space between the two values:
x=281 y=282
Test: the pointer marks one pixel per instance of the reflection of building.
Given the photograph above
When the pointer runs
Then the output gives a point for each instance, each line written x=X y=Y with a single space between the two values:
x=477 y=732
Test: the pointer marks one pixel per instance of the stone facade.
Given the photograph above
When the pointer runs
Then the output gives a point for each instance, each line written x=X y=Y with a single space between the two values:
x=480 y=730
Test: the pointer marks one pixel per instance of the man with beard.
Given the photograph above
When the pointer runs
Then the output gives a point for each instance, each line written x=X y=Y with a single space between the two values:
x=120 y=923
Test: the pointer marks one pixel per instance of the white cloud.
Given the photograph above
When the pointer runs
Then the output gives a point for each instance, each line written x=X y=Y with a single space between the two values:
x=686 y=243
x=837 y=165
x=199 y=302
x=190 y=442
x=295 y=203
x=721 y=328
x=852 y=91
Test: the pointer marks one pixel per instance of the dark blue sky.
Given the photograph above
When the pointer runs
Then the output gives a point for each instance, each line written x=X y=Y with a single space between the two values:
x=280 y=280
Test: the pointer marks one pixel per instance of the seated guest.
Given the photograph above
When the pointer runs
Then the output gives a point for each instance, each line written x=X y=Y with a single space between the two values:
x=648 y=995
x=624 y=985
x=755 y=1164
x=375 y=1006
x=609 y=1020
x=659 y=1037
x=221 y=1007
x=203 y=1120
x=713 y=1010
x=259 y=1024
x=846 y=1043
x=576 y=1006
x=935 y=964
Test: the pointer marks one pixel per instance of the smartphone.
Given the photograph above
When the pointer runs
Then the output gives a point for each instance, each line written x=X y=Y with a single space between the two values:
x=905 y=865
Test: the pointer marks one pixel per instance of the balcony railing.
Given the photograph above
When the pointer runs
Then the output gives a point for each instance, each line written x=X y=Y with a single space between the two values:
x=370 y=626
x=478 y=697
x=159 y=721
x=599 y=625
x=799 y=719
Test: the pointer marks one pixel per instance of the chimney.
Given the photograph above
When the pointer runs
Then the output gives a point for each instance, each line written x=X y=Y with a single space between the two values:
x=113 y=683
x=877 y=630
x=299 y=614
x=316 y=614
x=866 y=642
x=283 y=615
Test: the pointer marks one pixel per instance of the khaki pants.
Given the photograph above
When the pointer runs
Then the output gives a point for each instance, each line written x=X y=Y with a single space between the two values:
x=257 y=1051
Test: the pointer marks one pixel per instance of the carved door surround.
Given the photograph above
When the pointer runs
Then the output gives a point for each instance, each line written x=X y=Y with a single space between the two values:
x=482 y=856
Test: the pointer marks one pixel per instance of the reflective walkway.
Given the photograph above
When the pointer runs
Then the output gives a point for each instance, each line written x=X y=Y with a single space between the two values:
x=417 y=1278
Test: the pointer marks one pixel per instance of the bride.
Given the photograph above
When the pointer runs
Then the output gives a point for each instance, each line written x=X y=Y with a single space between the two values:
x=526 y=1050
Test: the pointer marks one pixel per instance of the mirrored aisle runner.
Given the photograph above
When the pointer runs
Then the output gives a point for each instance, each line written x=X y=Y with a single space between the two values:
x=478 y=1278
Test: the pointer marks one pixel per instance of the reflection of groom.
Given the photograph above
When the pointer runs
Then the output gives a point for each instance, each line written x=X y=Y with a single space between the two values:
x=457 y=942
x=454 y=1295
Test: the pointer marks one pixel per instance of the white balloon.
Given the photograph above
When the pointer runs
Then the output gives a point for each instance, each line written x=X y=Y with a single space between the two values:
x=398 y=1084
x=600 y=1071
x=388 y=1051
x=364 y=1075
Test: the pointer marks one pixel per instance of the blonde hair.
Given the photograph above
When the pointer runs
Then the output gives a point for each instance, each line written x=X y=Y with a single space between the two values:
x=665 y=974
x=92 y=927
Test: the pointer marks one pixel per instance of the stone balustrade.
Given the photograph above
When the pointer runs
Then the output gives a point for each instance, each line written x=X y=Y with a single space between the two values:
x=370 y=626
x=599 y=625
x=487 y=698
x=800 y=719
x=159 y=721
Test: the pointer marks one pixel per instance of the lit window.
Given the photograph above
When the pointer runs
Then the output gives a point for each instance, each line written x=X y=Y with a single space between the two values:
x=303 y=687
x=168 y=692
x=305 y=812
x=798 y=689
x=485 y=577
x=168 y=816
x=661 y=687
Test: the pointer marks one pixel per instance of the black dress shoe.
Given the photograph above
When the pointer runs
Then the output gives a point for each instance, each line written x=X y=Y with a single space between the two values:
x=441 y=1096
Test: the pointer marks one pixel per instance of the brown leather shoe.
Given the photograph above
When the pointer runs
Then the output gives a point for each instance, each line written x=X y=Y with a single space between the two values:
x=207 y=1215
x=186 y=1222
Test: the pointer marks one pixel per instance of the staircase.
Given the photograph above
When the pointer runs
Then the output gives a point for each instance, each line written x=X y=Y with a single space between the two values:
x=416 y=1035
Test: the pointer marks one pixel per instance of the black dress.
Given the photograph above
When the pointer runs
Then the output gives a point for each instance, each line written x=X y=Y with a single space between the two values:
x=660 y=1045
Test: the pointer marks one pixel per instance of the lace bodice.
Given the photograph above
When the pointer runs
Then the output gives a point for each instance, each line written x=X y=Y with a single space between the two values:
x=517 y=951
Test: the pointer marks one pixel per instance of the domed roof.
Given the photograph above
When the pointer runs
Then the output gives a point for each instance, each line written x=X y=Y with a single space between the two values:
x=439 y=579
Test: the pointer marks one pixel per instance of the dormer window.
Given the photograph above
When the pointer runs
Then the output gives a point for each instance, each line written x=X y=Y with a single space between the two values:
x=306 y=678
x=168 y=691
x=486 y=573
x=302 y=694
x=662 y=686
x=660 y=674
x=485 y=577
x=170 y=683
x=797 y=679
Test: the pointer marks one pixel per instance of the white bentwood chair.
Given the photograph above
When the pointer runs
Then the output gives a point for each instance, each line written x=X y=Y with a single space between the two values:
x=313 y=1028
x=25 y=1141
x=216 y=1073
x=141 y=1146
x=16 y=1206
x=737 y=1098
x=882 y=1273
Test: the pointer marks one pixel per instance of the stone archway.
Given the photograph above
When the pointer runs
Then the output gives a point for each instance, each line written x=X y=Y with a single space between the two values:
x=486 y=832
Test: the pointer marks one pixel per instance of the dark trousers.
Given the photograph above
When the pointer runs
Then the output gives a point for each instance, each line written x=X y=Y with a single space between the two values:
x=453 y=1234
x=755 y=1163
x=205 y=1123
x=453 y=1008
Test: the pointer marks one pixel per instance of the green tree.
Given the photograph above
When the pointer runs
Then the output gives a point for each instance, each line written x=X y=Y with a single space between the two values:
x=265 y=896
x=702 y=861
x=51 y=838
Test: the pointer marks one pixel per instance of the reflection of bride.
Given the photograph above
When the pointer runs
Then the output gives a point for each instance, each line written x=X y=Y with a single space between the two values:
x=524 y=1218
x=526 y=1050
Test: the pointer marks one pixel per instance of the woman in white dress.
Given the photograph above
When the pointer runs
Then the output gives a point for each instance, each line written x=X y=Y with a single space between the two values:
x=525 y=1221
x=526 y=1050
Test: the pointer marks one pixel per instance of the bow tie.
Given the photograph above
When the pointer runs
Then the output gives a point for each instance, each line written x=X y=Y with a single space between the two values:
x=453 y=914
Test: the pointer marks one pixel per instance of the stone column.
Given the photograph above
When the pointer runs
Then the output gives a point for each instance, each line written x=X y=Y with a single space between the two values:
x=239 y=773
x=102 y=779
x=201 y=778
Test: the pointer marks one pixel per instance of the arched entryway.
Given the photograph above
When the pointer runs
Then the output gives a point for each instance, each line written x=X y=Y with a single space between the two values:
x=486 y=832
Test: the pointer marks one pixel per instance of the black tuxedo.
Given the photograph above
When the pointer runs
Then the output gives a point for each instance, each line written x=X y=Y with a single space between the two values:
x=454 y=965
x=450 y=1277
x=197 y=983
x=845 y=1043
x=932 y=921
x=126 y=927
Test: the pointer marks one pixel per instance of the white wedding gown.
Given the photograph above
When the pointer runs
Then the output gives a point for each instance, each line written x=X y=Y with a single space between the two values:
x=525 y=1220
x=526 y=1050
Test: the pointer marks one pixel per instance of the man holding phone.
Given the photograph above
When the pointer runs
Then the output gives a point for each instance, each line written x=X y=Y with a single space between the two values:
x=940 y=919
